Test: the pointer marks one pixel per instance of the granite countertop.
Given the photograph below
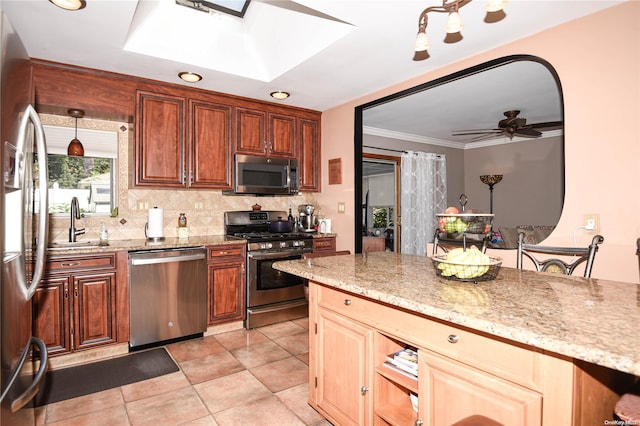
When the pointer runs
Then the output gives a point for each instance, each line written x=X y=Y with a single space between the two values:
x=143 y=244
x=588 y=319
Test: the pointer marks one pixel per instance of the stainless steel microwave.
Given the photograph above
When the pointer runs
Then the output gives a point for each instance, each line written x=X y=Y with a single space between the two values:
x=259 y=175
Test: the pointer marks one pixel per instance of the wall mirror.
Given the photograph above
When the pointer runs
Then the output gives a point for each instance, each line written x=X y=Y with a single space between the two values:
x=503 y=117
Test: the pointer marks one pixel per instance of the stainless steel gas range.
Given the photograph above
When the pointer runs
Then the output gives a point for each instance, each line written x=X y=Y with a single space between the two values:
x=272 y=295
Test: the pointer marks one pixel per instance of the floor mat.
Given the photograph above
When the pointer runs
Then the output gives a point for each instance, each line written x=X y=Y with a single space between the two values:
x=84 y=379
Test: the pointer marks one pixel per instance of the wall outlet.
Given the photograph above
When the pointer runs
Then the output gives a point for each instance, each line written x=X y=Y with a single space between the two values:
x=592 y=223
x=341 y=207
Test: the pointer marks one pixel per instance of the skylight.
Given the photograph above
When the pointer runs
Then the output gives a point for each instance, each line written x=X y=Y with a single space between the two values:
x=231 y=7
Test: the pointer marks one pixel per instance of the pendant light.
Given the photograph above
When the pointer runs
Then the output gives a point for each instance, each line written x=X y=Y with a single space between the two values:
x=75 y=148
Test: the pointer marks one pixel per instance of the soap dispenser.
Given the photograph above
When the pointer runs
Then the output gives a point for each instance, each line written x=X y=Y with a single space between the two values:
x=104 y=235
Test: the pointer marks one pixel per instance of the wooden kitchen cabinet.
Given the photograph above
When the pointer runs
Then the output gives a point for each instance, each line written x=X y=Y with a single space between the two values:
x=467 y=392
x=309 y=158
x=182 y=142
x=75 y=306
x=344 y=351
x=263 y=132
x=460 y=373
x=227 y=287
x=160 y=140
x=326 y=245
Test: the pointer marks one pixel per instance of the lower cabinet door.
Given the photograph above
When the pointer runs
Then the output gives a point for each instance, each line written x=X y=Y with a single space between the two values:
x=451 y=392
x=51 y=314
x=343 y=369
x=226 y=292
x=95 y=321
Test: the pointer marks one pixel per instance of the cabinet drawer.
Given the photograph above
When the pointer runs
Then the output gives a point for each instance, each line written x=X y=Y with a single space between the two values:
x=324 y=244
x=226 y=252
x=91 y=262
x=514 y=363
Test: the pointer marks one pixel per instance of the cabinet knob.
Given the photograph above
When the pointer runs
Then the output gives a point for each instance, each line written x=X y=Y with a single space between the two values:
x=452 y=338
x=364 y=390
x=347 y=302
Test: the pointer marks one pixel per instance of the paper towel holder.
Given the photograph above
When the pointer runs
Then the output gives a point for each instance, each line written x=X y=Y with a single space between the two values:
x=158 y=233
x=151 y=239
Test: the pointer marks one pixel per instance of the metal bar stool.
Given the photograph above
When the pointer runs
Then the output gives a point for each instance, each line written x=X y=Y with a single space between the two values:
x=584 y=254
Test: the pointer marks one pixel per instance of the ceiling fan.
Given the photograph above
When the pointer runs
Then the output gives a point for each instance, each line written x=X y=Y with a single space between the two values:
x=512 y=126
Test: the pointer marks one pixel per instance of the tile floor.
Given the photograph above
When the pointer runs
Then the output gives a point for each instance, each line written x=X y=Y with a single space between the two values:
x=241 y=377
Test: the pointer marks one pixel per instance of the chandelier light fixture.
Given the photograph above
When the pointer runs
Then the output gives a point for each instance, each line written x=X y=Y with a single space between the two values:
x=495 y=13
x=75 y=148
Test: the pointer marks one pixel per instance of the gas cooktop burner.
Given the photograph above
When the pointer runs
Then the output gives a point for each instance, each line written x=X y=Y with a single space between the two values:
x=254 y=226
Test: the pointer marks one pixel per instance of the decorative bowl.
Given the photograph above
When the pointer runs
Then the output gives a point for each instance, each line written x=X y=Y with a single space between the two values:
x=465 y=272
x=468 y=223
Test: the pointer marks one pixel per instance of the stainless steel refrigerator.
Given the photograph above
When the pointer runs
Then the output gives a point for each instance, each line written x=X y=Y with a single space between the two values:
x=23 y=231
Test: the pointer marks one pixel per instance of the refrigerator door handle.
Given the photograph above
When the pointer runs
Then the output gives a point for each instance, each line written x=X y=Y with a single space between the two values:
x=34 y=387
x=43 y=192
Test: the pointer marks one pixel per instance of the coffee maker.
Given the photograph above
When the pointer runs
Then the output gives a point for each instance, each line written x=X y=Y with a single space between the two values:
x=306 y=220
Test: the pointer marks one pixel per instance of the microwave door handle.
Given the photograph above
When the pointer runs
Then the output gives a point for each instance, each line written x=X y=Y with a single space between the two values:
x=43 y=185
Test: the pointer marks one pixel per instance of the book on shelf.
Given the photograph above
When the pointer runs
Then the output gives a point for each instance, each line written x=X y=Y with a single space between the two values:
x=409 y=374
x=406 y=359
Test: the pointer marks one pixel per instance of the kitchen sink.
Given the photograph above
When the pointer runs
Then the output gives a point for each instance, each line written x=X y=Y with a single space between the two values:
x=70 y=245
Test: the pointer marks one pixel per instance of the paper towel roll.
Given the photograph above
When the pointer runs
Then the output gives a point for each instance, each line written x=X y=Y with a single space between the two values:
x=155 y=223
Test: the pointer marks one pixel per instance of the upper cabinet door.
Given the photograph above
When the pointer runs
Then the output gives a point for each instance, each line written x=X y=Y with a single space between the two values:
x=160 y=140
x=309 y=154
x=250 y=131
x=282 y=136
x=211 y=142
x=260 y=132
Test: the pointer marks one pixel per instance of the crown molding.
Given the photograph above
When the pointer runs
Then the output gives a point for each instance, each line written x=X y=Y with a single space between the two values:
x=503 y=140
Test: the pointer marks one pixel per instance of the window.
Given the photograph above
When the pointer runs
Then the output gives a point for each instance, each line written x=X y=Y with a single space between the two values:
x=383 y=217
x=92 y=178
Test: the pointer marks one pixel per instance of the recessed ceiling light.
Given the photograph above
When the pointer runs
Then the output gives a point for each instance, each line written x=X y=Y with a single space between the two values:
x=279 y=95
x=190 y=77
x=70 y=4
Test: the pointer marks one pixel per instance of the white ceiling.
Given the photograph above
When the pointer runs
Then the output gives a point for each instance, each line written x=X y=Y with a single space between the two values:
x=324 y=52
x=475 y=102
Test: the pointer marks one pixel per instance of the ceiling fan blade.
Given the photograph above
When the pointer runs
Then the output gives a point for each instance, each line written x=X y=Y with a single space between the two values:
x=549 y=125
x=528 y=132
x=474 y=132
x=485 y=137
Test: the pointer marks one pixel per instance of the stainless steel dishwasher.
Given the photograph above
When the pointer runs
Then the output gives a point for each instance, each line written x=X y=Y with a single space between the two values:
x=167 y=294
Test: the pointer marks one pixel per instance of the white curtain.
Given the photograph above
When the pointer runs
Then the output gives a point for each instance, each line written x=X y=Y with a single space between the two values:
x=423 y=195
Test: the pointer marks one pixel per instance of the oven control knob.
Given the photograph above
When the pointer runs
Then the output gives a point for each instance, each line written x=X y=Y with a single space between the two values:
x=268 y=245
x=283 y=244
x=295 y=243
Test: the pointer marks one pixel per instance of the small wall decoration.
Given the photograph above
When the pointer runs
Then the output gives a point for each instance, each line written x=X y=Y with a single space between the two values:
x=335 y=171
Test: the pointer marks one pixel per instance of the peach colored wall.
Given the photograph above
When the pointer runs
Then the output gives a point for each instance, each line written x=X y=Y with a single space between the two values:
x=597 y=59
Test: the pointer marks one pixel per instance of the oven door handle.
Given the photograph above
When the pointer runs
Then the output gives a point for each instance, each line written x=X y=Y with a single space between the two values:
x=277 y=255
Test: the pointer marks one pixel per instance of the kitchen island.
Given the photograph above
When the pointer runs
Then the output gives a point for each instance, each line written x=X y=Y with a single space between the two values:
x=555 y=349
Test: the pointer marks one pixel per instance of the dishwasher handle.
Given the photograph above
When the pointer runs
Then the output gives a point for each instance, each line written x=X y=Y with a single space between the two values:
x=168 y=259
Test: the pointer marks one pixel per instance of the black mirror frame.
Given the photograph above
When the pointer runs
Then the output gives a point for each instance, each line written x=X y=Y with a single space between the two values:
x=359 y=110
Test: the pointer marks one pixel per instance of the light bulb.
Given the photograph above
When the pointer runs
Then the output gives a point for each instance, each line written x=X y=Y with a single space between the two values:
x=454 y=23
x=495 y=5
x=422 y=42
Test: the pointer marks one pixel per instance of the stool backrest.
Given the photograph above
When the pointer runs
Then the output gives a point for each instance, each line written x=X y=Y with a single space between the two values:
x=580 y=255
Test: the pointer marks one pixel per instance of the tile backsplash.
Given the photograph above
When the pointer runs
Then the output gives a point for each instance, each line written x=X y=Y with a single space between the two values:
x=204 y=208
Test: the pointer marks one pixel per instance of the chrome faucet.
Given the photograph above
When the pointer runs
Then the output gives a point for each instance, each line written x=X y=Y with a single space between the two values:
x=75 y=214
